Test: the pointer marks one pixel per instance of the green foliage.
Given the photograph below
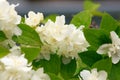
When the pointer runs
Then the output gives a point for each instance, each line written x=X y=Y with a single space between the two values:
x=2 y=36
x=56 y=69
x=74 y=79
x=104 y=64
x=115 y=72
x=80 y=65
x=3 y=51
x=90 y=57
x=51 y=66
x=89 y=5
x=96 y=37
x=82 y=18
x=108 y=23
x=54 y=77
x=22 y=20
x=118 y=30
x=92 y=7
x=31 y=52
x=29 y=42
x=29 y=36
x=67 y=70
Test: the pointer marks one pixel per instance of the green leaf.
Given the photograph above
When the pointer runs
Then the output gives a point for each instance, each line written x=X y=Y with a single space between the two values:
x=51 y=17
x=92 y=7
x=52 y=66
x=97 y=13
x=3 y=51
x=118 y=31
x=89 y=5
x=54 y=77
x=2 y=36
x=90 y=57
x=22 y=20
x=31 y=53
x=115 y=72
x=96 y=37
x=67 y=70
x=82 y=18
x=104 y=64
x=74 y=79
x=29 y=36
x=29 y=41
x=80 y=66
x=108 y=23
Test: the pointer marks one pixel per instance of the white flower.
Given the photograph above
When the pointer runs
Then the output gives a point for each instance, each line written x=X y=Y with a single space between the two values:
x=33 y=19
x=93 y=75
x=74 y=43
x=13 y=74
x=40 y=75
x=16 y=66
x=45 y=50
x=113 y=49
x=9 y=19
x=15 y=62
x=65 y=40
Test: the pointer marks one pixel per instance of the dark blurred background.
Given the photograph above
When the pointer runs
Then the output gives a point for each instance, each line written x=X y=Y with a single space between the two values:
x=66 y=7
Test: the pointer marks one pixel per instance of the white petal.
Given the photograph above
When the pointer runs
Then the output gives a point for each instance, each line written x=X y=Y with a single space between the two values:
x=115 y=59
x=2 y=66
x=102 y=75
x=94 y=71
x=17 y=31
x=81 y=27
x=60 y=20
x=66 y=60
x=47 y=56
x=114 y=37
x=40 y=75
x=103 y=49
x=85 y=74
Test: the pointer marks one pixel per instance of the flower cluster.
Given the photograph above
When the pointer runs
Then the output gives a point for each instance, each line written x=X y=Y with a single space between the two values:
x=60 y=38
x=9 y=19
x=93 y=75
x=15 y=66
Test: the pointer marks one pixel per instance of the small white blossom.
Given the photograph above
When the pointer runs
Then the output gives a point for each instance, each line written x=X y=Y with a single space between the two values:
x=65 y=40
x=40 y=75
x=33 y=19
x=15 y=62
x=93 y=75
x=15 y=66
x=113 y=49
x=9 y=19
x=12 y=74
